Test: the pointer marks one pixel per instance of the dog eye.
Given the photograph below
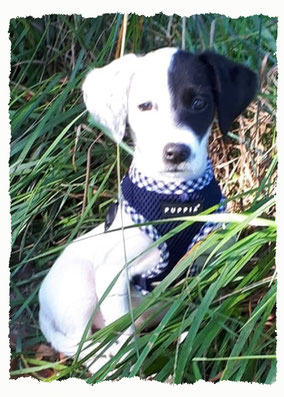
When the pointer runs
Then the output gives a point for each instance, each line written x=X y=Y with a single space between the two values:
x=199 y=103
x=145 y=106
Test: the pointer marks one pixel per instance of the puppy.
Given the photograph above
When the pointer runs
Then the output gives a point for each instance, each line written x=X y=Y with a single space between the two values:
x=169 y=98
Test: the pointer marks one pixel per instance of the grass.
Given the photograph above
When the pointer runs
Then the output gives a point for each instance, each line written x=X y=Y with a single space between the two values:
x=219 y=325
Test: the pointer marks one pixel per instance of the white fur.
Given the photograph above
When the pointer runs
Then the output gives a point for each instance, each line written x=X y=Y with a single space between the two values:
x=82 y=273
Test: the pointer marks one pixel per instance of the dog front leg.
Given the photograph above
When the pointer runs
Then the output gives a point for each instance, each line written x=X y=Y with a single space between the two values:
x=114 y=304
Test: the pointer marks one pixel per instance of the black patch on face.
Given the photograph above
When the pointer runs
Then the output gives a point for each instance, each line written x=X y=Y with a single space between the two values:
x=191 y=91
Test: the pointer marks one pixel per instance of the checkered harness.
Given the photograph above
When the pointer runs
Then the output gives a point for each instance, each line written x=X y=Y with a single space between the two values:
x=142 y=198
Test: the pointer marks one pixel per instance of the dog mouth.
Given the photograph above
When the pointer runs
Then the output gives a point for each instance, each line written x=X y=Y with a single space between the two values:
x=178 y=169
x=180 y=172
x=175 y=174
x=175 y=171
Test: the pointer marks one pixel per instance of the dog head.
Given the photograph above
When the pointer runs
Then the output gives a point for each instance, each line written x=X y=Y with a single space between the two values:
x=169 y=98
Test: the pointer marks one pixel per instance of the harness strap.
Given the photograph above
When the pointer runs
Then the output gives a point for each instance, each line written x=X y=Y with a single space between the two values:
x=146 y=201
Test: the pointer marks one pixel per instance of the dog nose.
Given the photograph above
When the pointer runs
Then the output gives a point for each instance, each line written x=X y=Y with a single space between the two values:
x=176 y=153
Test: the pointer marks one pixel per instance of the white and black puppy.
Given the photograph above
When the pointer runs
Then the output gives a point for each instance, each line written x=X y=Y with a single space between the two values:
x=169 y=98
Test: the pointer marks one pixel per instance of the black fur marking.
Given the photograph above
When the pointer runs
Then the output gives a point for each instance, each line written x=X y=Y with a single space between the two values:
x=204 y=83
x=234 y=86
x=191 y=90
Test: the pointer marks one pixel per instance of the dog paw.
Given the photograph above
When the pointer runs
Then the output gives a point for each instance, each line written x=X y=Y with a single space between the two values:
x=99 y=363
x=99 y=360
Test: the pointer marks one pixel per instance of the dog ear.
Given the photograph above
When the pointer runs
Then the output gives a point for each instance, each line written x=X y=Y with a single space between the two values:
x=105 y=92
x=234 y=86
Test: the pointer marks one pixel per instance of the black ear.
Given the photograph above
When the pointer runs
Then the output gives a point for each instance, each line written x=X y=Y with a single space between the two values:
x=234 y=86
